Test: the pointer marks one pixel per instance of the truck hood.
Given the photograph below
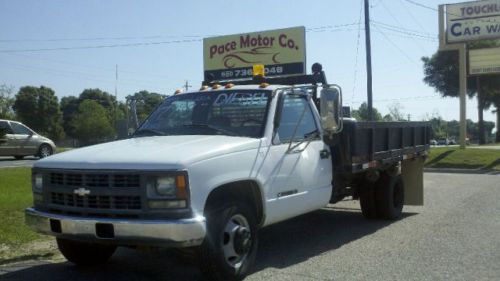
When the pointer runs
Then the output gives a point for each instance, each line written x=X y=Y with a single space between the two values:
x=149 y=153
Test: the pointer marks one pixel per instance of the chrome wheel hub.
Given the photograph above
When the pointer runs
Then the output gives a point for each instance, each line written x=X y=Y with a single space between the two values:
x=237 y=240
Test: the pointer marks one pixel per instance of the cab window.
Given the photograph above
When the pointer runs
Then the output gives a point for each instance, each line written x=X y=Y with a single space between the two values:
x=294 y=106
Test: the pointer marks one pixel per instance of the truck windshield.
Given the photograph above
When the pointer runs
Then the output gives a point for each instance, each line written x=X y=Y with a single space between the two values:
x=230 y=112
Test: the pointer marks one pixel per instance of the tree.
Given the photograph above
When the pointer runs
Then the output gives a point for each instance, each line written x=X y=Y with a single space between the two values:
x=6 y=102
x=91 y=123
x=146 y=102
x=395 y=112
x=361 y=114
x=103 y=98
x=39 y=109
x=69 y=108
x=442 y=72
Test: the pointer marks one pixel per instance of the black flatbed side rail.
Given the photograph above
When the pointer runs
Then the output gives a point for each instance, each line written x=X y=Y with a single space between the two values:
x=366 y=145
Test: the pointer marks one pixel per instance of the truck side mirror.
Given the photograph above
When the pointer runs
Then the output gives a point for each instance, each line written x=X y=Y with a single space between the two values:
x=331 y=109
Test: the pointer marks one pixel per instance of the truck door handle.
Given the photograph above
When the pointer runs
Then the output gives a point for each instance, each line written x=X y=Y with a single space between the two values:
x=324 y=154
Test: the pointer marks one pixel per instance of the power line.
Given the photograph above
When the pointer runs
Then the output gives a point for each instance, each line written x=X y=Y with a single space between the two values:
x=411 y=15
x=409 y=34
x=95 y=38
x=398 y=22
x=421 y=5
x=406 y=30
x=100 y=46
x=394 y=44
x=403 y=99
x=138 y=44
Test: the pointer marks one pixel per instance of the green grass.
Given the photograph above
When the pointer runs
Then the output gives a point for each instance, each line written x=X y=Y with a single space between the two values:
x=15 y=196
x=62 y=149
x=470 y=158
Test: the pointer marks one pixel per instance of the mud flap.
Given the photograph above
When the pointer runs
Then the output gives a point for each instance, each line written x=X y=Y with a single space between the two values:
x=412 y=172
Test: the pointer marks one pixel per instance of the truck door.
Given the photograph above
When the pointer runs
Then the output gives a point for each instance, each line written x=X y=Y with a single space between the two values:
x=301 y=180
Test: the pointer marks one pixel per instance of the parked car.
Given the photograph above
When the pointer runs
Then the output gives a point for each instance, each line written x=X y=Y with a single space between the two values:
x=443 y=142
x=17 y=140
x=433 y=142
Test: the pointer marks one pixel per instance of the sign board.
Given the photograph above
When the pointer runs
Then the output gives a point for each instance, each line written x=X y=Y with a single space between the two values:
x=281 y=51
x=484 y=61
x=472 y=21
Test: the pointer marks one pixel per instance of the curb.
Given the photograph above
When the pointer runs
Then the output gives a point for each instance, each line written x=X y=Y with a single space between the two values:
x=461 y=171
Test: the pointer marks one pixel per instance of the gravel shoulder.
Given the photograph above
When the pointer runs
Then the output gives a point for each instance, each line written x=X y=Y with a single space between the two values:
x=453 y=237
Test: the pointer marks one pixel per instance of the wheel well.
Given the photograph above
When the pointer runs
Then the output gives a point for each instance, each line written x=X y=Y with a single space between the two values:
x=241 y=191
x=46 y=144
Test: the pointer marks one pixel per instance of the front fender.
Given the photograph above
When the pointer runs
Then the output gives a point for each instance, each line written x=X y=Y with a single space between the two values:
x=207 y=175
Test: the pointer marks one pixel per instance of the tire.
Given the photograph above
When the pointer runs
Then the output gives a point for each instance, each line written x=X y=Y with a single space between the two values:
x=45 y=150
x=367 y=201
x=83 y=253
x=230 y=246
x=389 y=196
x=19 y=157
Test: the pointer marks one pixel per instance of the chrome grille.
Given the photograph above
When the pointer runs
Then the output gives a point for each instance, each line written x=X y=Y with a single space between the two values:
x=96 y=201
x=94 y=179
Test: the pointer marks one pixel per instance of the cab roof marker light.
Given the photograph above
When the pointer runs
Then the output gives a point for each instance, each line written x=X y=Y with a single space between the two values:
x=263 y=85
x=178 y=91
x=259 y=70
x=229 y=86
x=203 y=88
x=216 y=86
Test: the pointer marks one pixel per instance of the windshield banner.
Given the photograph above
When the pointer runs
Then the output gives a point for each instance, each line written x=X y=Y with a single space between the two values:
x=281 y=51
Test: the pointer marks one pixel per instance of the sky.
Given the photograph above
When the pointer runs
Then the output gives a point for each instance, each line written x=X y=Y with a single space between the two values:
x=157 y=46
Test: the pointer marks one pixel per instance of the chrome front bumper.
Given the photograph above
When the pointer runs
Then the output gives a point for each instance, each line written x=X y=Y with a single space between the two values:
x=171 y=233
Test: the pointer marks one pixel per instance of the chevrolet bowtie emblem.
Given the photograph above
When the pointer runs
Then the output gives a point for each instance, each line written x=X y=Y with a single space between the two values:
x=81 y=191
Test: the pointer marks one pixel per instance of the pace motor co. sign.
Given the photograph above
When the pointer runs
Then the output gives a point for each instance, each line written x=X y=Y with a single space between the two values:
x=281 y=51
x=472 y=21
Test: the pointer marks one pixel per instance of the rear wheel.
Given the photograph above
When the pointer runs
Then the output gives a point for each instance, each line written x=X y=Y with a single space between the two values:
x=230 y=246
x=83 y=253
x=389 y=196
x=44 y=151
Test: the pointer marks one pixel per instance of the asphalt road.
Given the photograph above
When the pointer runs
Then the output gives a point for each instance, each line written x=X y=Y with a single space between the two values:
x=455 y=236
x=7 y=162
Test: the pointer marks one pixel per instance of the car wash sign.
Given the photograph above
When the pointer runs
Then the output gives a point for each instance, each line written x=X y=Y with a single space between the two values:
x=281 y=51
x=472 y=21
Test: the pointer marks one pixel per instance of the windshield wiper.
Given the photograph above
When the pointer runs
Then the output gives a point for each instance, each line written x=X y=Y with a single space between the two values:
x=149 y=131
x=217 y=129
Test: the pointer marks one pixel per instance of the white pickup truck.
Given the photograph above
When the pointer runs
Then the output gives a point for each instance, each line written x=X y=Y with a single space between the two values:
x=209 y=168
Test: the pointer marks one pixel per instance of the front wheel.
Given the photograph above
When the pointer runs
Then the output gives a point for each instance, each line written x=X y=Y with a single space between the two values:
x=230 y=246
x=83 y=253
x=44 y=151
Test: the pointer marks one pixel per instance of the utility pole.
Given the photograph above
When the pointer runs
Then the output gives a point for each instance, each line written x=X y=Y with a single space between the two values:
x=116 y=97
x=187 y=86
x=368 y=61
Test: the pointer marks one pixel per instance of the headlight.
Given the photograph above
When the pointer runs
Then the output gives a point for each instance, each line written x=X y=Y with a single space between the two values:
x=165 y=186
x=38 y=182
